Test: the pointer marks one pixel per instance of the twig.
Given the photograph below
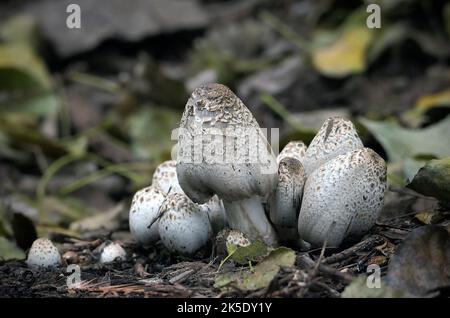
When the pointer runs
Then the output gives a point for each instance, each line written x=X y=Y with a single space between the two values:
x=366 y=244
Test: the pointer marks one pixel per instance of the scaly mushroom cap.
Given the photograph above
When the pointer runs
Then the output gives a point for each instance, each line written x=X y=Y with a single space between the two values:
x=242 y=164
x=165 y=177
x=337 y=136
x=43 y=254
x=342 y=197
x=286 y=200
x=144 y=210
x=294 y=149
x=112 y=252
x=184 y=228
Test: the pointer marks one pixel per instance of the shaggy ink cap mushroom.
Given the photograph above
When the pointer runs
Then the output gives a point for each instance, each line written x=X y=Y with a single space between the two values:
x=43 y=254
x=144 y=211
x=286 y=200
x=342 y=197
x=165 y=177
x=183 y=227
x=214 y=119
x=337 y=136
x=112 y=252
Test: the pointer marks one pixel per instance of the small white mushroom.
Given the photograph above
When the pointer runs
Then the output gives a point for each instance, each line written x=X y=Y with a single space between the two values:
x=43 y=254
x=165 y=177
x=294 y=149
x=337 y=136
x=342 y=197
x=112 y=252
x=214 y=113
x=183 y=227
x=143 y=212
x=286 y=200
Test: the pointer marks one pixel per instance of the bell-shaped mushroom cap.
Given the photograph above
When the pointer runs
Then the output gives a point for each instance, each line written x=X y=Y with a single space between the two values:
x=342 y=197
x=294 y=149
x=221 y=149
x=165 y=177
x=184 y=228
x=337 y=136
x=286 y=200
x=143 y=212
x=43 y=254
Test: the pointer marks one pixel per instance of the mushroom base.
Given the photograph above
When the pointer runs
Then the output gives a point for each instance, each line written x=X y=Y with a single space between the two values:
x=249 y=217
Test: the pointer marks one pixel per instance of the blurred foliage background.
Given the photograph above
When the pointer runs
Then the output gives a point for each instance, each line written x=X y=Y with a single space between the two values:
x=86 y=115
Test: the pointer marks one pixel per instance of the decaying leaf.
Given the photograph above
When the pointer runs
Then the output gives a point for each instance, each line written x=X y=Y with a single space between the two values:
x=245 y=254
x=261 y=275
x=429 y=217
x=433 y=179
x=422 y=262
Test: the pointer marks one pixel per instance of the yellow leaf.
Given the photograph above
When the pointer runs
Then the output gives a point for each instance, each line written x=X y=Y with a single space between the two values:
x=347 y=55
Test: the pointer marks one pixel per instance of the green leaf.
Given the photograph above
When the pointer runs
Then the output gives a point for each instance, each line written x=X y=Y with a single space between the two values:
x=261 y=275
x=9 y=250
x=245 y=254
x=433 y=179
x=401 y=143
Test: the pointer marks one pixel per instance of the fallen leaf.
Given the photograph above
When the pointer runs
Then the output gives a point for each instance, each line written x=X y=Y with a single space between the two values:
x=9 y=250
x=429 y=217
x=433 y=179
x=261 y=275
x=245 y=254
x=422 y=262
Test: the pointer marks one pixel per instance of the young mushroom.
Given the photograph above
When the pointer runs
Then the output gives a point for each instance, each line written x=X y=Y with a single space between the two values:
x=286 y=200
x=342 y=197
x=337 y=136
x=183 y=227
x=294 y=149
x=143 y=212
x=112 y=252
x=236 y=161
x=165 y=177
x=43 y=254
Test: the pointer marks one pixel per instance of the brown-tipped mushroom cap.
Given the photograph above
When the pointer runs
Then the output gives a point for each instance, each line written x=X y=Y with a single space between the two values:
x=337 y=136
x=286 y=201
x=342 y=197
x=294 y=149
x=165 y=177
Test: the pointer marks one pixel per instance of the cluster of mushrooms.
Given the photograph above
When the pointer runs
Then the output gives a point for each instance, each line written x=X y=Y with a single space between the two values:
x=308 y=196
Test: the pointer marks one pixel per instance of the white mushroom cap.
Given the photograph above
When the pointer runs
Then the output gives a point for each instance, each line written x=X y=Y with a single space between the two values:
x=143 y=212
x=337 y=136
x=286 y=201
x=165 y=177
x=216 y=212
x=294 y=149
x=184 y=228
x=216 y=109
x=43 y=254
x=342 y=197
x=237 y=238
x=112 y=252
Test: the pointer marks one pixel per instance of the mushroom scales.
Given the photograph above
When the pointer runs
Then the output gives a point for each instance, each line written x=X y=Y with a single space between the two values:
x=342 y=197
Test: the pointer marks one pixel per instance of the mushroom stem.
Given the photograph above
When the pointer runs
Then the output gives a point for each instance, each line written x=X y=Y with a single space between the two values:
x=249 y=217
